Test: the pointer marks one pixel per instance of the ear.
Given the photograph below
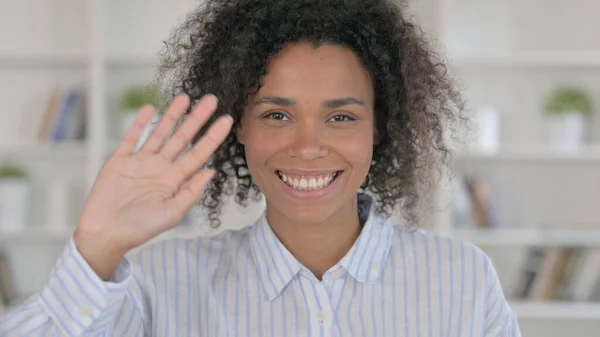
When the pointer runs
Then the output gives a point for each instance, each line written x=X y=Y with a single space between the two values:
x=240 y=132
x=375 y=136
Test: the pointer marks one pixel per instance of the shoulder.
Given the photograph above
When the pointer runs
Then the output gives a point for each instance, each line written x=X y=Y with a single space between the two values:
x=451 y=256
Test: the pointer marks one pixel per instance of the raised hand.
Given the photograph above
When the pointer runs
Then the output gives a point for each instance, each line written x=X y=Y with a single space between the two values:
x=138 y=196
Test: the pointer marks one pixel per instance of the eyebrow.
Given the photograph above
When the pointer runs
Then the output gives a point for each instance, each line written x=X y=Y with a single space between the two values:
x=330 y=104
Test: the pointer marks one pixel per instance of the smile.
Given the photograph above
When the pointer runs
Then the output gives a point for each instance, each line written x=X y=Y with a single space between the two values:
x=308 y=183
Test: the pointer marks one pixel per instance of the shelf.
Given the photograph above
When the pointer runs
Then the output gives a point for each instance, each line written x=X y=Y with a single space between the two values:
x=531 y=59
x=48 y=59
x=131 y=61
x=32 y=236
x=556 y=310
x=524 y=237
x=69 y=150
x=540 y=154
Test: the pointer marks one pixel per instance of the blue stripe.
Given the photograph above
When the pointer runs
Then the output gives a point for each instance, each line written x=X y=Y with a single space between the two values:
x=226 y=281
x=153 y=277
x=394 y=297
x=440 y=283
x=429 y=292
x=309 y=324
x=349 y=318
x=235 y=273
x=451 y=292
x=217 y=324
x=404 y=272
x=474 y=288
x=416 y=282
x=205 y=270
x=462 y=287
x=167 y=313
x=188 y=279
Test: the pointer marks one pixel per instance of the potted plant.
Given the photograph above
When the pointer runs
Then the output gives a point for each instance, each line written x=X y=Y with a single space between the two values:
x=134 y=98
x=567 y=111
x=14 y=197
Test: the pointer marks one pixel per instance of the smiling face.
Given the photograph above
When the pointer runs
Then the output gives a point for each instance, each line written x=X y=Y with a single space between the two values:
x=308 y=132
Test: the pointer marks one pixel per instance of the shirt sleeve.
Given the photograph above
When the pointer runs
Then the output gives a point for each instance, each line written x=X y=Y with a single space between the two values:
x=76 y=302
x=500 y=319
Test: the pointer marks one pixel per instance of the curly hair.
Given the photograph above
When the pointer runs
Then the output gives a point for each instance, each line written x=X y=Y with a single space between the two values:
x=224 y=46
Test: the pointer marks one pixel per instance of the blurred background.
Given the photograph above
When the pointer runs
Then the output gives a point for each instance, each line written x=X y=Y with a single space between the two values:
x=525 y=189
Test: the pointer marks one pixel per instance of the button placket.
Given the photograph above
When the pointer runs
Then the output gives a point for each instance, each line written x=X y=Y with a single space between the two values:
x=324 y=316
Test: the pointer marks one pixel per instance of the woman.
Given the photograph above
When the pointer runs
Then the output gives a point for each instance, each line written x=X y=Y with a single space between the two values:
x=338 y=112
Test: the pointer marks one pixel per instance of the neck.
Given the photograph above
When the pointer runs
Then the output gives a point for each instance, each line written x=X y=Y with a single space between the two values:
x=318 y=246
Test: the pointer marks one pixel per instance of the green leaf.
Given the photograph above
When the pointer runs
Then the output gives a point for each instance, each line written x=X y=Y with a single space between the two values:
x=568 y=99
x=12 y=171
x=137 y=96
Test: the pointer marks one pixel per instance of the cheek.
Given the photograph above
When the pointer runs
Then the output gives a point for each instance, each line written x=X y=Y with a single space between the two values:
x=258 y=147
x=358 y=150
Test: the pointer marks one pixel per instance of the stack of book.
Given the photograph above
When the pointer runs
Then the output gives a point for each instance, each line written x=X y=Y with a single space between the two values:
x=65 y=116
x=560 y=274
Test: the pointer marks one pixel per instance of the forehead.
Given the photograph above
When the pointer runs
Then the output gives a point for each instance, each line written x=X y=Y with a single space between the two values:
x=326 y=71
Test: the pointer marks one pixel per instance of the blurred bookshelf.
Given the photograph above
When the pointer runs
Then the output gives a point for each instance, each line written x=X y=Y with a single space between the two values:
x=61 y=84
x=530 y=206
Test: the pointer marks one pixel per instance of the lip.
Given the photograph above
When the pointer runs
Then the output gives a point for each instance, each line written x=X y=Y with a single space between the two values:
x=314 y=194
x=307 y=173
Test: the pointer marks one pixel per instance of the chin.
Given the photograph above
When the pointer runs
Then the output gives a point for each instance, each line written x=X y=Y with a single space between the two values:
x=308 y=214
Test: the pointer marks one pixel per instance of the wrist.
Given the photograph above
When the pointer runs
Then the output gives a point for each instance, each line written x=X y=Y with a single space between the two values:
x=101 y=255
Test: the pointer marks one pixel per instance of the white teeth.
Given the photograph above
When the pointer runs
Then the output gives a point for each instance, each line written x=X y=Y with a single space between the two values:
x=303 y=183
x=307 y=183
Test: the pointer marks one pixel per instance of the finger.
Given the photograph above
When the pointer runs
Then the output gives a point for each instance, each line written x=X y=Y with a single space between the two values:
x=204 y=148
x=189 y=195
x=186 y=132
x=168 y=120
x=133 y=134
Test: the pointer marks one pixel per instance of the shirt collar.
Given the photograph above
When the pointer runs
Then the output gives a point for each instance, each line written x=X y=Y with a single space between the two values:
x=366 y=259
x=276 y=266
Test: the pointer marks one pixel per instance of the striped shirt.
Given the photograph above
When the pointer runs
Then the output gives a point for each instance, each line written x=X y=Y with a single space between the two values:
x=394 y=281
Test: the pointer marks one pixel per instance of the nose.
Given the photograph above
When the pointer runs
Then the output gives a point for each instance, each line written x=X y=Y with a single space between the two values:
x=308 y=142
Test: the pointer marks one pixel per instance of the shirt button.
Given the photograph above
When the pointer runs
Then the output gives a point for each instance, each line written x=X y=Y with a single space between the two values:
x=321 y=317
x=85 y=311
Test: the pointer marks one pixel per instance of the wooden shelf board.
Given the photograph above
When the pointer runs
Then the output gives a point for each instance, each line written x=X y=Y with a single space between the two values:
x=49 y=59
x=533 y=154
x=523 y=237
x=556 y=310
x=551 y=59
x=68 y=149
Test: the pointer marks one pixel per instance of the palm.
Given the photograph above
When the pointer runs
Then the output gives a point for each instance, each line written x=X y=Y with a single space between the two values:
x=139 y=195
x=138 y=189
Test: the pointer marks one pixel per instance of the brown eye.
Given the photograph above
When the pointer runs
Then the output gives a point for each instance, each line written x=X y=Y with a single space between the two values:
x=279 y=116
x=341 y=118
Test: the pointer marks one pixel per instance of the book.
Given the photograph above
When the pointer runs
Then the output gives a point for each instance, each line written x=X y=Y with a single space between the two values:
x=7 y=287
x=529 y=271
x=65 y=116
